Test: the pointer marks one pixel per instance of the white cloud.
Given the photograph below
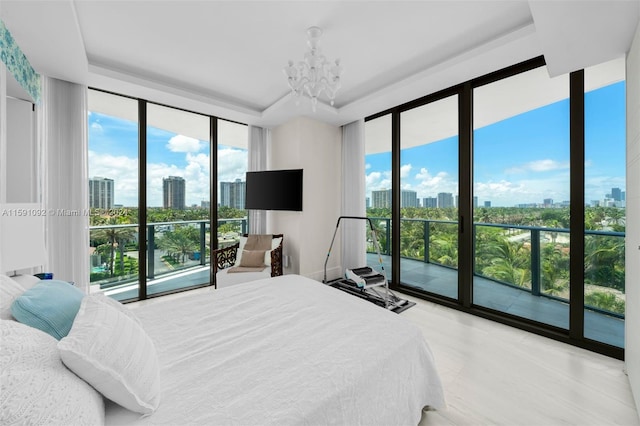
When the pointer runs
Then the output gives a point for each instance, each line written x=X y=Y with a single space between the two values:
x=527 y=191
x=96 y=126
x=376 y=181
x=232 y=164
x=430 y=185
x=405 y=170
x=545 y=165
x=123 y=170
x=181 y=143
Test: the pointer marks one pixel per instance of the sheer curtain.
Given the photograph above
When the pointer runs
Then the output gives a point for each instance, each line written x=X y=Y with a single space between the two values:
x=353 y=196
x=63 y=146
x=259 y=139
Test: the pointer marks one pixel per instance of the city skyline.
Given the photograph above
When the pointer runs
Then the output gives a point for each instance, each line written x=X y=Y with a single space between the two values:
x=505 y=174
x=113 y=151
x=408 y=198
x=232 y=194
x=510 y=172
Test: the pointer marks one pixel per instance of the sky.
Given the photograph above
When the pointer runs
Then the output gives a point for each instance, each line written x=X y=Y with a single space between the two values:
x=113 y=154
x=521 y=160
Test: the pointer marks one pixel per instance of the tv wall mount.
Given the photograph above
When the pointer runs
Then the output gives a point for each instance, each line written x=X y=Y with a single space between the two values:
x=366 y=282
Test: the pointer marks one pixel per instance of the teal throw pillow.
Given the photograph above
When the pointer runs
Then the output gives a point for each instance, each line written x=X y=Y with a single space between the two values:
x=50 y=306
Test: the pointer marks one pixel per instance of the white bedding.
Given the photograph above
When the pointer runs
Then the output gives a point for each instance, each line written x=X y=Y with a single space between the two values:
x=225 y=279
x=285 y=350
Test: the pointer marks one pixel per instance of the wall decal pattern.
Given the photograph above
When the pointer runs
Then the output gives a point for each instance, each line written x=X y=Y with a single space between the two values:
x=18 y=64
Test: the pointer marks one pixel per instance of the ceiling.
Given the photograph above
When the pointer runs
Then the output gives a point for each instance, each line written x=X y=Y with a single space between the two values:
x=225 y=58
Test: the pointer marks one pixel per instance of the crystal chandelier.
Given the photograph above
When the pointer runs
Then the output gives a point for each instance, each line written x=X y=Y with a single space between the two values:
x=314 y=74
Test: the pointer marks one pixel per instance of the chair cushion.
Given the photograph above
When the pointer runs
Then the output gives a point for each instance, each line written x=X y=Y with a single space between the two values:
x=252 y=258
x=275 y=242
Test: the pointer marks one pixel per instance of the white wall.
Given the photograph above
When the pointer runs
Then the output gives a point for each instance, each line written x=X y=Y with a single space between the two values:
x=21 y=170
x=632 y=249
x=315 y=147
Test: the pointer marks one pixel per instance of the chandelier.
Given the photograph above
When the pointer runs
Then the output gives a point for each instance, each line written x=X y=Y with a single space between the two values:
x=314 y=75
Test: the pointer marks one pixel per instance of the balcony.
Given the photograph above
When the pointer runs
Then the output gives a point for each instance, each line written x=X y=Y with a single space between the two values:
x=536 y=288
x=539 y=297
x=177 y=256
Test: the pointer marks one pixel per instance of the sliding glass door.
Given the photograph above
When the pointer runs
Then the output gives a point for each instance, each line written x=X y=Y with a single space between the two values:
x=233 y=160
x=378 y=190
x=178 y=213
x=522 y=184
x=429 y=197
x=605 y=211
x=113 y=194
x=153 y=188
x=509 y=195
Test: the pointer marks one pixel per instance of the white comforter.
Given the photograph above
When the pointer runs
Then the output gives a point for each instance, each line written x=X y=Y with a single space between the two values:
x=285 y=350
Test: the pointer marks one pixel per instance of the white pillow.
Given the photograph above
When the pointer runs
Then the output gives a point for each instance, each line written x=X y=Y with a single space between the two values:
x=112 y=353
x=267 y=255
x=102 y=298
x=9 y=291
x=26 y=281
x=36 y=387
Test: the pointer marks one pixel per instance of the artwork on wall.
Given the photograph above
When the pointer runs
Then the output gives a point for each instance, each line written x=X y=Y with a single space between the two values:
x=18 y=64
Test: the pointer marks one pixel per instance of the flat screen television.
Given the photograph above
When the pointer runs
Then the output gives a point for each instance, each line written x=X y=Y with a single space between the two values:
x=274 y=190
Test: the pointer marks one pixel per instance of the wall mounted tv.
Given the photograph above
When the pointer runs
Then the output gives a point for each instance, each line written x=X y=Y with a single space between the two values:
x=274 y=190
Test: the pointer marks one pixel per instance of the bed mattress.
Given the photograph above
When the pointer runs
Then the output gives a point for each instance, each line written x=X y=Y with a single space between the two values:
x=284 y=350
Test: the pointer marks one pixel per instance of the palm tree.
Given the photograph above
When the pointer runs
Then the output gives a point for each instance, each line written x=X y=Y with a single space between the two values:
x=554 y=270
x=604 y=300
x=604 y=261
x=505 y=260
x=181 y=241
x=445 y=245
x=115 y=237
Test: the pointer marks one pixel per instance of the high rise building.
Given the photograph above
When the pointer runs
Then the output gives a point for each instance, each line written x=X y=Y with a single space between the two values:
x=408 y=198
x=233 y=194
x=101 y=193
x=548 y=202
x=445 y=200
x=431 y=202
x=173 y=193
x=381 y=199
x=487 y=203
x=616 y=194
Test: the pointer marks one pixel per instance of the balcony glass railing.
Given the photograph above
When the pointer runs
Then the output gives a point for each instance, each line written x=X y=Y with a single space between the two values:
x=531 y=258
x=172 y=247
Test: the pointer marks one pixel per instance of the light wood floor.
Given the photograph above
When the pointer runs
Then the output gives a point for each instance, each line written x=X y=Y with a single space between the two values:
x=493 y=374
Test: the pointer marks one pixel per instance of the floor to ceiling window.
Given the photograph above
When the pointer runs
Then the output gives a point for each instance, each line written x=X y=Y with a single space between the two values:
x=233 y=161
x=378 y=189
x=429 y=197
x=113 y=193
x=178 y=189
x=165 y=245
x=529 y=156
x=605 y=217
x=521 y=173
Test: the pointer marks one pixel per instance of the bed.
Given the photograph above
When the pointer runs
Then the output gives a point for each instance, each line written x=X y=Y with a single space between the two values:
x=283 y=350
